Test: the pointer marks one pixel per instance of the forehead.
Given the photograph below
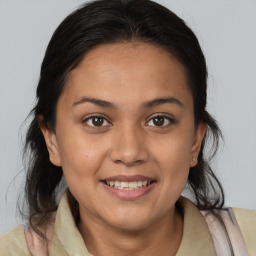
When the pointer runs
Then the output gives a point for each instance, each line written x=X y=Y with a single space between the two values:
x=127 y=71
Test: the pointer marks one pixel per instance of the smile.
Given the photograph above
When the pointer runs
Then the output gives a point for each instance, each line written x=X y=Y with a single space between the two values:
x=128 y=187
x=124 y=185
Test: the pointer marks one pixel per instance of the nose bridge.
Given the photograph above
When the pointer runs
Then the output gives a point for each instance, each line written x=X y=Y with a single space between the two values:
x=129 y=145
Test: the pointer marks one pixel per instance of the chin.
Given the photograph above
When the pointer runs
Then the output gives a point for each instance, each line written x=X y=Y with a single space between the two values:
x=130 y=226
x=130 y=222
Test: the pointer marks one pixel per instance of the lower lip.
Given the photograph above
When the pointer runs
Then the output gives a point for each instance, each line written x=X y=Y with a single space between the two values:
x=129 y=194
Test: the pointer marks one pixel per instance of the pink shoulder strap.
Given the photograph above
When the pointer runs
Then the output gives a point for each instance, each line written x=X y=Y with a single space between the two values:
x=37 y=245
x=224 y=241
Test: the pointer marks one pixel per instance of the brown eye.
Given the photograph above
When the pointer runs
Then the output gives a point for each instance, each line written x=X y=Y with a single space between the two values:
x=96 y=121
x=160 y=121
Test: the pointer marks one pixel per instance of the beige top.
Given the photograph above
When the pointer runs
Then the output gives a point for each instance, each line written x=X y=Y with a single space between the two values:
x=67 y=240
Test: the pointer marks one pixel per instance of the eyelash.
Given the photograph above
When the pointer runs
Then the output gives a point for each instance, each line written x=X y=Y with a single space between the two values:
x=94 y=117
x=165 y=118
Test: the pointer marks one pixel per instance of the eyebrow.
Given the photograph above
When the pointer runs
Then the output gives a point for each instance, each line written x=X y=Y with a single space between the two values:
x=98 y=102
x=160 y=101
x=147 y=104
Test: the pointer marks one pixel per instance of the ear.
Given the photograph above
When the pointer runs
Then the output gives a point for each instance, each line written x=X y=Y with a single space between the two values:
x=51 y=142
x=198 y=138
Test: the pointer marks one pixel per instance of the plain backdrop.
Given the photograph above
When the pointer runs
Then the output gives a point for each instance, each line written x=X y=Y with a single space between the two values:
x=227 y=32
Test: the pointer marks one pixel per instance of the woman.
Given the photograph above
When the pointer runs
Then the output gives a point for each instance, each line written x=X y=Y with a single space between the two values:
x=121 y=119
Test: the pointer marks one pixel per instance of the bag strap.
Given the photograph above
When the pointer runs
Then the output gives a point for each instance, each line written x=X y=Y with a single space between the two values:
x=227 y=238
x=38 y=246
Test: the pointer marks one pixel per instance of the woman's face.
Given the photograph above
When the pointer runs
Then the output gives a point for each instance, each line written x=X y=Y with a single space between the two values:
x=125 y=134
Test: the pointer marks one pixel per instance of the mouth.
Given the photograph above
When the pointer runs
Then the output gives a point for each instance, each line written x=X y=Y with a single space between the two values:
x=128 y=185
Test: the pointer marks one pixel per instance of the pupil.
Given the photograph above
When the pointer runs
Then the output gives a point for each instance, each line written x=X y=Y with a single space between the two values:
x=158 y=121
x=97 y=121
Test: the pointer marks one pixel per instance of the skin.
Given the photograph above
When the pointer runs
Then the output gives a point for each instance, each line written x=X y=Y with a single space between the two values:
x=128 y=142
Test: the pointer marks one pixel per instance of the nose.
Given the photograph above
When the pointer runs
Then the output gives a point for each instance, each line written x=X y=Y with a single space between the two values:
x=129 y=147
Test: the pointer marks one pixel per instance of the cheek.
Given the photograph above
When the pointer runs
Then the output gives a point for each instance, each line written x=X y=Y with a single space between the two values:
x=173 y=152
x=175 y=170
x=80 y=157
x=173 y=156
x=80 y=165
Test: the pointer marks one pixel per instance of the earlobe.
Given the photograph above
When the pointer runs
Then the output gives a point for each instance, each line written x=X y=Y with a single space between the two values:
x=51 y=143
x=198 y=138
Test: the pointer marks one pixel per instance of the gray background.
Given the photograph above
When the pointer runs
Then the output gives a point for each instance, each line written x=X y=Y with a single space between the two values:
x=227 y=33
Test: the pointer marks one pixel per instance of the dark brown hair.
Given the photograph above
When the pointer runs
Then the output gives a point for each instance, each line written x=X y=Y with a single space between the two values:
x=106 y=22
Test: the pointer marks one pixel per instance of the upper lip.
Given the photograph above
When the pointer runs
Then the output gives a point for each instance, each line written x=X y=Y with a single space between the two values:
x=128 y=178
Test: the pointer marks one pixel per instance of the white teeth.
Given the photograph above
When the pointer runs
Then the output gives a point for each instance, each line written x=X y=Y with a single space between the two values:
x=133 y=184
x=124 y=185
x=144 y=183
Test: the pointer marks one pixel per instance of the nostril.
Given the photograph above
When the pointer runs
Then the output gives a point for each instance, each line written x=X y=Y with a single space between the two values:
x=128 y=153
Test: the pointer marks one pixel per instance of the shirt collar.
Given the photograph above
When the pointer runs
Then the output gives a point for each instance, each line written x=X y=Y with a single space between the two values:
x=67 y=239
x=196 y=238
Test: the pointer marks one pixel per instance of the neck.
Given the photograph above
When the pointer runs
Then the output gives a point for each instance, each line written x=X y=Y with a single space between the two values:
x=162 y=237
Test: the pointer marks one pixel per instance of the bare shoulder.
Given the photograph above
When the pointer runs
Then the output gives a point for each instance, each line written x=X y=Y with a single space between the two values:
x=14 y=243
